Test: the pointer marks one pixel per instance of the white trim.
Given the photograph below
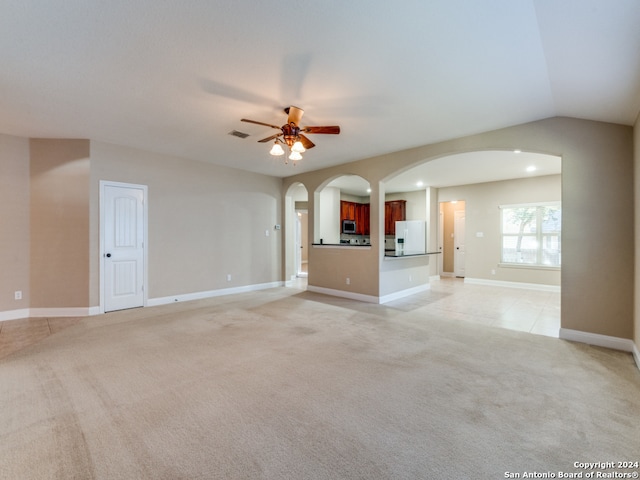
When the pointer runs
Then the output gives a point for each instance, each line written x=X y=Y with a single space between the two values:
x=152 y=302
x=434 y=278
x=405 y=293
x=532 y=204
x=14 y=314
x=90 y=311
x=636 y=355
x=341 y=293
x=606 y=341
x=369 y=298
x=499 y=283
x=346 y=246
x=49 y=312
x=64 y=312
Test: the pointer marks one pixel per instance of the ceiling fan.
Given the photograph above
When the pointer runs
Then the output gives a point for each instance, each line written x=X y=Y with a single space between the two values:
x=292 y=135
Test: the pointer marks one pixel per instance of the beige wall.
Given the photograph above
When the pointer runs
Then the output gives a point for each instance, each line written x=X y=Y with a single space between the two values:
x=481 y=202
x=597 y=163
x=14 y=222
x=205 y=221
x=59 y=223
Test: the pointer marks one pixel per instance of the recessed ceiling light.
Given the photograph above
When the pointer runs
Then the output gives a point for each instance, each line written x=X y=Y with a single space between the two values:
x=517 y=151
x=531 y=168
x=368 y=190
x=420 y=183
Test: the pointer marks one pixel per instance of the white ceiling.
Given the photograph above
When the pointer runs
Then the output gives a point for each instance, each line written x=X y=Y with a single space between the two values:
x=176 y=77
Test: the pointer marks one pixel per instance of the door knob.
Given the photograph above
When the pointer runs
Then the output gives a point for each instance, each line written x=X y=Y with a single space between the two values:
x=108 y=255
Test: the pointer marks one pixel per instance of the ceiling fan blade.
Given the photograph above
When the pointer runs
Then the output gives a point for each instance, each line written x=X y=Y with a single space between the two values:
x=295 y=115
x=268 y=139
x=306 y=143
x=324 y=129
x=259 y=123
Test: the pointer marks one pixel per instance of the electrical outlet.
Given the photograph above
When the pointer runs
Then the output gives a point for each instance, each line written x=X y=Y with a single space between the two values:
x=266 y=233
x=228 y=277
x=348 y=281
x=18 y=295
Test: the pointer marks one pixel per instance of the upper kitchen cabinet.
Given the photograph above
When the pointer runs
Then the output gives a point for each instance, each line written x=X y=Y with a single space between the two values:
x=394 y=211
x=357 y=212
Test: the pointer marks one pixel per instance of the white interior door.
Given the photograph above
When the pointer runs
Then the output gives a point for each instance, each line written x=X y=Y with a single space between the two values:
x=123 y=247
x=458 y=237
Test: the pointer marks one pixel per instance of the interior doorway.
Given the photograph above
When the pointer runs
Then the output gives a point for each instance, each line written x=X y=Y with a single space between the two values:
x=302 y=243
x=452 y=239
x=296 y=236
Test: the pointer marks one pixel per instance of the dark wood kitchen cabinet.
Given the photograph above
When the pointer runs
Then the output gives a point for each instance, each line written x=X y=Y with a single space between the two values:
x=359 y=212
x=362 y=219
x=394 y=211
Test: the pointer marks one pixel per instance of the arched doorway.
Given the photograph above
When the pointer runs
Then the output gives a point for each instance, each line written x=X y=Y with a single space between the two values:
x=297 y=238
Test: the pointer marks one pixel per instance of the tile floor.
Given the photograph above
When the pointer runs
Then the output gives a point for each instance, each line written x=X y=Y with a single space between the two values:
x=520 y=309
x=513 y=308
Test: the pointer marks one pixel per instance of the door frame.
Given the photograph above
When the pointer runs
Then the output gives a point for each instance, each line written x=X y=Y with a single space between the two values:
x=298 y=246
x=456 y=237
x=101 y=252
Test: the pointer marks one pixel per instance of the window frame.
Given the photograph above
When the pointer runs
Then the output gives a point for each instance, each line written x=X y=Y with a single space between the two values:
x=539 y=235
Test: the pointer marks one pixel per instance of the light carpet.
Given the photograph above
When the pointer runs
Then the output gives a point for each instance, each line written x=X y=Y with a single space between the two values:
x=284 y=384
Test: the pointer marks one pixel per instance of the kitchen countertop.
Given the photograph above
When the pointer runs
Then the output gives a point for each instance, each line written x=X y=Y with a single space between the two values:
x=341 y=244
x=394 y=254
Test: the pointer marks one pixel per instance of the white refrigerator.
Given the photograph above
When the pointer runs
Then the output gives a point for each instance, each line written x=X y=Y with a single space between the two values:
x=411 y=237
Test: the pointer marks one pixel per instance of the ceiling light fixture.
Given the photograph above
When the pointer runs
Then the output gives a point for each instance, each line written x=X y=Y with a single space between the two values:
x=276 y=150
x=531 y=168
x=298 y=147
x=295 y=156
x=292 y=140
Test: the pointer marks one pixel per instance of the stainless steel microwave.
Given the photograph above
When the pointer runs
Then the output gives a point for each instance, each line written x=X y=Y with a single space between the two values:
x=348 y=226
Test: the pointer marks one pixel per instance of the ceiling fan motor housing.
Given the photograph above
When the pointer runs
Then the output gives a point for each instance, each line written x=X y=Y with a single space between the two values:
x=291 y=132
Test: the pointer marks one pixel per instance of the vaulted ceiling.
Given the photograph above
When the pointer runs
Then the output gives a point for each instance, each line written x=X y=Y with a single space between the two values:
x=176 y=77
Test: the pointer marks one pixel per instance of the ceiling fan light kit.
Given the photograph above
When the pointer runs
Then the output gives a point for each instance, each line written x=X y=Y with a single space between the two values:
x=276 y=150
x=292 y=135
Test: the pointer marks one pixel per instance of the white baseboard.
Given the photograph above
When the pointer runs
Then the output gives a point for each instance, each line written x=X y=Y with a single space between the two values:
x=152 y=302
x=64 y=312
x=49 y=312
x=500 y=283
x=636 y=355
x=606 y=341
x=341 y=293
x=14 y=314
x=369 y=298
x=405 y=293
x=89 y=311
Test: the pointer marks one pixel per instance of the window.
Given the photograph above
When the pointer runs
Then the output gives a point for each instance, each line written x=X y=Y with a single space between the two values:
x=531 y=234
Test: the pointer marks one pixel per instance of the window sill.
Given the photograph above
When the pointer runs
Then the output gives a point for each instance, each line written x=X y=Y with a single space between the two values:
x=528 y=266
